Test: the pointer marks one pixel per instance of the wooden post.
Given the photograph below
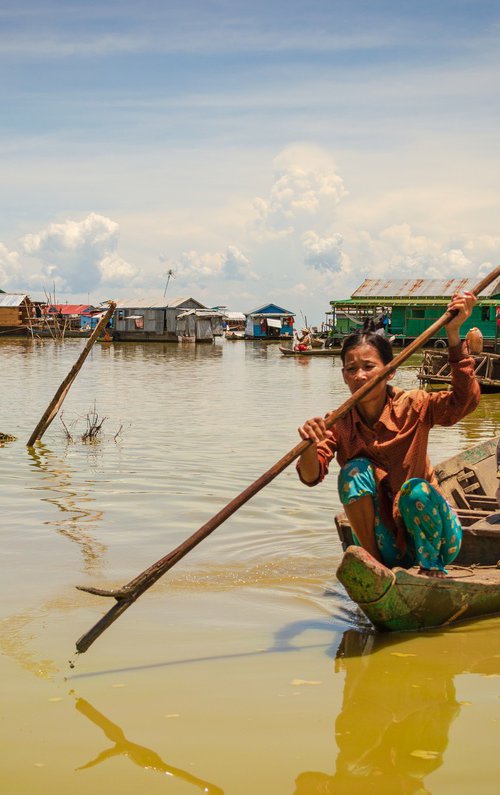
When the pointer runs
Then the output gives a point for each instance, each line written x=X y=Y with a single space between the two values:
x=57 y=401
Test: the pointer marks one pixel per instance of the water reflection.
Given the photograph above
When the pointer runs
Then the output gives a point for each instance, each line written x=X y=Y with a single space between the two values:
x=157 y=353
x=399 y=702
x=77 y=520
x=54 y=479
x=257 y=349
x=483 y=423
x=138 y=754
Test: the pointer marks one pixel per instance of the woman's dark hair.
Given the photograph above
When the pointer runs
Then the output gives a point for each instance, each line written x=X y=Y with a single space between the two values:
x=368 y=336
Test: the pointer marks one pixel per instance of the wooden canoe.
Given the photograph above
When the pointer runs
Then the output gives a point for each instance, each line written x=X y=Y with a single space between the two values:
x=401 y=599
x=310 y=352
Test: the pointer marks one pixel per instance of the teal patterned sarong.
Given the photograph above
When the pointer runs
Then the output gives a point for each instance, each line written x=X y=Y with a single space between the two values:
x=433 y=528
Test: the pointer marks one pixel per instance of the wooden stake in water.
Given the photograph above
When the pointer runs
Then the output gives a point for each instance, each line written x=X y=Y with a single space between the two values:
x=128 y=594
x=57 y=401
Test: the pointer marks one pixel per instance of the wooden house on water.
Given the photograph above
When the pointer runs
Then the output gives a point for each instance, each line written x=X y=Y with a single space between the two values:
x=153 y=320
x=234 y=321
x=16 y=314
x=91 y=317
x=71 y=317
x=269 y=322
x=412 y=305
x=199 y=325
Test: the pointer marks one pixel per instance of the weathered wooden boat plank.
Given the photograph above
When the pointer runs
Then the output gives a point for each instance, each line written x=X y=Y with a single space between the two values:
x=402 y=600
x=435 y=370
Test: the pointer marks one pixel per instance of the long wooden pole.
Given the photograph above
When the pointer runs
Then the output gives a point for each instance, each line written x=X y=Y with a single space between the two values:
x=130 y=592
x=57 y=401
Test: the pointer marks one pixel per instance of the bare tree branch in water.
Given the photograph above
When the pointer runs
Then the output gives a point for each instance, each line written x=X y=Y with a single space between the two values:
x=93 y=431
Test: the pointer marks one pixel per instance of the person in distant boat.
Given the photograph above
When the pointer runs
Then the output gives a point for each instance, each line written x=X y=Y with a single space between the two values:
x=386 y=483
x=382 y=327
x=383 y=321
x=303 y=341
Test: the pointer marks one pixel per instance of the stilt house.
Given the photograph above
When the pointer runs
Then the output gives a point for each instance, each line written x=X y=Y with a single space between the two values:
x=153 y=320
x=269 y=322
x=412 y=305
x=16 y=313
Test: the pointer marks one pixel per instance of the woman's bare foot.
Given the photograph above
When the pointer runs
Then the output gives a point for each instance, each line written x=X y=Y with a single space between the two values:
x=436 y=573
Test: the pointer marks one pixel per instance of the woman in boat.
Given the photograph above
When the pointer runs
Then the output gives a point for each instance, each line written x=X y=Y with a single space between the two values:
x=303 y=341
x=386 y=483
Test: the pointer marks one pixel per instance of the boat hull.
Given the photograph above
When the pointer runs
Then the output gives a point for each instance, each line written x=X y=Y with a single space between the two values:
x=310 y=352
x=397 y=600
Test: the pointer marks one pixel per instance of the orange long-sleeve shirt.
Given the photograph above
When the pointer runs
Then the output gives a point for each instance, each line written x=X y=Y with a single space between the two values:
x=397 y=443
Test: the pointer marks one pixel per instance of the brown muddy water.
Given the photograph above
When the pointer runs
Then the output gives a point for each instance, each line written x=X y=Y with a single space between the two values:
x=245 y=669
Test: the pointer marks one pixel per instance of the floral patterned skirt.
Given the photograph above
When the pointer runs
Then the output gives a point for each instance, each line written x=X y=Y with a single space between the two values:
x=433 y=528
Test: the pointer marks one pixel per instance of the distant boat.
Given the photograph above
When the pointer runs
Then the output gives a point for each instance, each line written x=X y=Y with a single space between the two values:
x=310 y=351
x=401 y=599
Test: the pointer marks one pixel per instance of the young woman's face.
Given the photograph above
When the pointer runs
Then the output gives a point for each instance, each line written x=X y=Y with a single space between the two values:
x=363 y=363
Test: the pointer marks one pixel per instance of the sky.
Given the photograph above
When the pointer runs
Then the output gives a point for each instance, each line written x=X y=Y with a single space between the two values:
x=275 y=151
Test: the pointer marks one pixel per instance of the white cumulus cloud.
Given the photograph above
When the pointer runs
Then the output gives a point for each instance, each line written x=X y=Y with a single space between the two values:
x=193 y=266
x=115 y=271
x=9 y=268
x=79 y=255
x=196 y=267
x=236 y=265
x=398 y=252
x=324 y=253
x=305 y=192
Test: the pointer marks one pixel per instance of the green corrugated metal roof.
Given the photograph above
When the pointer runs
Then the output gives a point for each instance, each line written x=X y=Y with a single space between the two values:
x=388 y=289
x=373 y=301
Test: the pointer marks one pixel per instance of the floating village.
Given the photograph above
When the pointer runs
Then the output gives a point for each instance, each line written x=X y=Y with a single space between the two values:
x=399 y=308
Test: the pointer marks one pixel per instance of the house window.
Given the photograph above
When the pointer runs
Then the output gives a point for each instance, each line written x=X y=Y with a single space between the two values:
x=121 y=314
x=139 y=322
x=417 y=312
x=485 y=313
